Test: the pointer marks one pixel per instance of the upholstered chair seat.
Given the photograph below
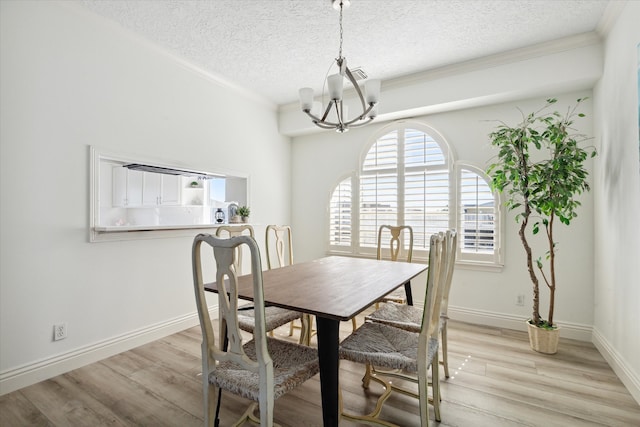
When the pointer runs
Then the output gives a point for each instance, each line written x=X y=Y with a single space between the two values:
x=403 y=316
x=293 y=364
x=274 y=318
x=385 y=346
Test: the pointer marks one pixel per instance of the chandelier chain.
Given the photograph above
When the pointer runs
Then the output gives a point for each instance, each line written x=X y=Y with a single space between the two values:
x=340 y=52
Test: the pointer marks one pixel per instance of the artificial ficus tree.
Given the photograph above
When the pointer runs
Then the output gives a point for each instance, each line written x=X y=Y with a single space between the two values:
x=540 y=166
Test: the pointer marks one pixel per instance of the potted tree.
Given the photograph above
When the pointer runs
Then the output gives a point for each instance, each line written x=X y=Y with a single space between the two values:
x=540 y=165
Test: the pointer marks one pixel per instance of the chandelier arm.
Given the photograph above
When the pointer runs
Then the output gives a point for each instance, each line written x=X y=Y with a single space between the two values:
x=357 y=125
x=362 y=116
x=317 y=119
x=325 y=126
x=340 y=113
x=314 y=119
x=321 y=123
x=328 y=110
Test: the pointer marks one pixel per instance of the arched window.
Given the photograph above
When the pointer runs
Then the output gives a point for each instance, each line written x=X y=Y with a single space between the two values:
x=340 y=215
x=408 y=177
x=479 y=216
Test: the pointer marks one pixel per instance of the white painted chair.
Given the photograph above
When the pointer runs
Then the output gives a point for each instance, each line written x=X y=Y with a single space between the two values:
x=392 y=251
x=395 y=244
x=409 y=317
x=262 y=369
x=275 y=316
x=279 y=253
x=390 y=352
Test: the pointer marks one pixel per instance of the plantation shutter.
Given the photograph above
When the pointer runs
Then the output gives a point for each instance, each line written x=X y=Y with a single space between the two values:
x=340 y=214
x=426 y=205
x=426 y=187
x=477 y=229
x=379 y=188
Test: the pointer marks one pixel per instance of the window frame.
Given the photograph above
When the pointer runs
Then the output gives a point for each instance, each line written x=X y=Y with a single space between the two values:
x=453 y=168
x=334 y=249
x=496 y=258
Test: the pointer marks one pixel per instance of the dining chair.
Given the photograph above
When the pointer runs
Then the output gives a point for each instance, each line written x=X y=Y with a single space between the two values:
x=233 y=231
x=452 y=250
x=279 y=253
x=262 y=369
x=390 y=353
x=394 y=248
x=392 y=251
x=408 y=317
x=275 y=316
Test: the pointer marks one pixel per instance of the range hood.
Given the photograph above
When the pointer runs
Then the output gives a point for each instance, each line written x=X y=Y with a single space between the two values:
x=170 y=171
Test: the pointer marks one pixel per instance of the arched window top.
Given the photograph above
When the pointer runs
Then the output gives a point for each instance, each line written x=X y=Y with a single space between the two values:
x=383 y=153
x=421 y=149
x=408 y=145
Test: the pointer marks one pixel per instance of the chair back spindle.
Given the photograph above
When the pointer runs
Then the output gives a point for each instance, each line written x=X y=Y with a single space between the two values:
x=283 y=245
x=233 y=231
x=395 y=244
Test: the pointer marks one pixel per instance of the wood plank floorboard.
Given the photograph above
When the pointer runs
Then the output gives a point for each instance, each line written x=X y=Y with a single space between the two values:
x=496 y=381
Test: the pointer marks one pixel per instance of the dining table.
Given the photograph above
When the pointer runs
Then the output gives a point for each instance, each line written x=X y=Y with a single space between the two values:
x=333 y=289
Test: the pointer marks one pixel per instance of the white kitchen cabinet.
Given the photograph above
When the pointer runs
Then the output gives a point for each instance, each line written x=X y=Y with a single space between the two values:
x=127 y=187
x=160 y=189
x=171 y=190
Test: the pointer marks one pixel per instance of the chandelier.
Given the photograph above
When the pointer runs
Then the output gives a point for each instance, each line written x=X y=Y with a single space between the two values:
x=321 y=116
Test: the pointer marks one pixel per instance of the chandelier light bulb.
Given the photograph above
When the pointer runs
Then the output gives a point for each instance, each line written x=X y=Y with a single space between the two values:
x=372 y=91
x=336 y=84
x=306 y=98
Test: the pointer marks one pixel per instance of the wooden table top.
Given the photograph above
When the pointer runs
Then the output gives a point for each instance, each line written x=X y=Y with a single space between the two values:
x=332 y=287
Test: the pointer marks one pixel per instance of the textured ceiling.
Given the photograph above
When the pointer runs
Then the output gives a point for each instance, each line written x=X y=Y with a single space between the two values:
x=274 y=47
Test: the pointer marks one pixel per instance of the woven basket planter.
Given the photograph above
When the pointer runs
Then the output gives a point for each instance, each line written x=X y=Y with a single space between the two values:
x=543 y=340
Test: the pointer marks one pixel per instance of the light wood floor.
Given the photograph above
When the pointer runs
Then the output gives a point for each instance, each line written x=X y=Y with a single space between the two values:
x=496 y=381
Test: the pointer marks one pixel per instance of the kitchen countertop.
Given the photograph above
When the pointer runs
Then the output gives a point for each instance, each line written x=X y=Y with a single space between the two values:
x=125 y=228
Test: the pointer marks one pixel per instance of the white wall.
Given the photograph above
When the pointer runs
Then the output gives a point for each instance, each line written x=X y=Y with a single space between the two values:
x=617 y=205
x=69 y=80
x=321 y=160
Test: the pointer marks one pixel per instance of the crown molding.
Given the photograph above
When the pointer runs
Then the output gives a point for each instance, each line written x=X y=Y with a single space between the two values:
x=490 y=61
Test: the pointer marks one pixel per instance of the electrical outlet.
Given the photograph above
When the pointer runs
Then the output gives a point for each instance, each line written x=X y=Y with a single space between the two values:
x=59 y=331
x=520 y=300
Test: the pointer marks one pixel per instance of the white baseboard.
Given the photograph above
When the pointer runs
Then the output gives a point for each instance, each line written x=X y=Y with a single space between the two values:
x=32 y=373
x=574 y=331
x=629 y=378
x=23 y=376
